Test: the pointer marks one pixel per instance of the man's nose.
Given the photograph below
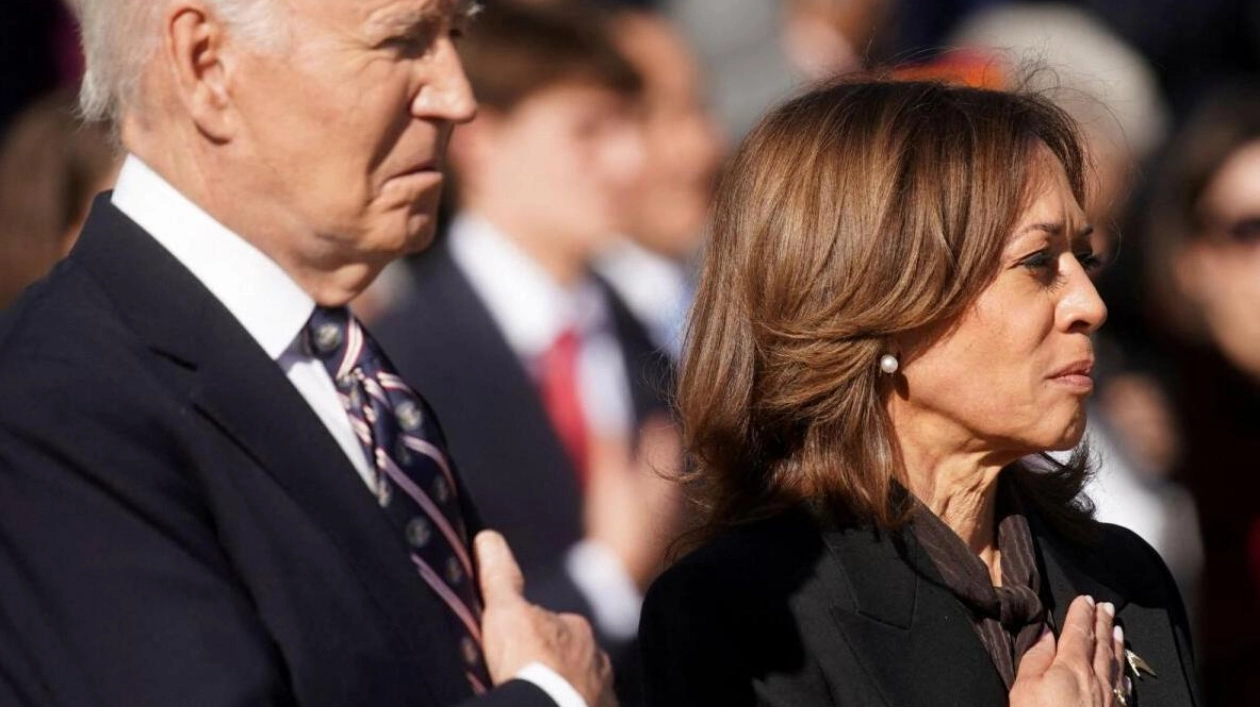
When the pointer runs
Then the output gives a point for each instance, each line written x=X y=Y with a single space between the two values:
x=446 y=94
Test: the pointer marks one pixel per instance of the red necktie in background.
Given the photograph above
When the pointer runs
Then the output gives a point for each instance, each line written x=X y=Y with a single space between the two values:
x=561 y=395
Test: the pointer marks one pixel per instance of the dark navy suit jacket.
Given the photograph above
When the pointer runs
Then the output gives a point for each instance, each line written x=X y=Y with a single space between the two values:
x=445 y=342
x=177 y=527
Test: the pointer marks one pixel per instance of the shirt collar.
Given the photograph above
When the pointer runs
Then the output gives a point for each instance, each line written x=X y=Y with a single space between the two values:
x=649 y=282
x=253 y=287
x=530 y=307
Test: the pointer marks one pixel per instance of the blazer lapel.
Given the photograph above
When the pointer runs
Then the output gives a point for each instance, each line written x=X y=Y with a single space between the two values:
x=1070 y=572
x=1065 y=577
x=232 y=382
x=914 y=639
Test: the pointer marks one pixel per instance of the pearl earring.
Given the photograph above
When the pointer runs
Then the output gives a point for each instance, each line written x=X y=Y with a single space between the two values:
x=888 y=363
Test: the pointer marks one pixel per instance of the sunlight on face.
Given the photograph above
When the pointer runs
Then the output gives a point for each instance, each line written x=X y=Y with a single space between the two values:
x=345 y=131
x=1012 y=376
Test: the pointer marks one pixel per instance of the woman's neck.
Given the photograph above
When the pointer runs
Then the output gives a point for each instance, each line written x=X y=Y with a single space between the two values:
x=964 y=497
x=957 y=482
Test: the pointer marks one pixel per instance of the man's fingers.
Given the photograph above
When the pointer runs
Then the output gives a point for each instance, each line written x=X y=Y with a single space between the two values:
x=501 y=579
x=1038 y=658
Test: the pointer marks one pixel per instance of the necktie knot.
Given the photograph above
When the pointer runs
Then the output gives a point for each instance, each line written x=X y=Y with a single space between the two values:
x=334 y=337
x=326 y=330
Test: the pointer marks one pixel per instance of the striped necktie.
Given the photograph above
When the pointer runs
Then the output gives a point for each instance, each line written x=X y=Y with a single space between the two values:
x=415 y=484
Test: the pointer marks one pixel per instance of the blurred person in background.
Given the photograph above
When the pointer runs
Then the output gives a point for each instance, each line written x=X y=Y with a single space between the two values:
x=1204 y=225
x=1113 y=94
x=38 y=52
x=823 y=38
x=759 y=52
x=545 y=382
x=51 y=165
x=666 y=206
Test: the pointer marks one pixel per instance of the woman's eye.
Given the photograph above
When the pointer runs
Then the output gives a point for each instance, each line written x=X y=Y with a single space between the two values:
x=1089 y=261
x=1038 y=261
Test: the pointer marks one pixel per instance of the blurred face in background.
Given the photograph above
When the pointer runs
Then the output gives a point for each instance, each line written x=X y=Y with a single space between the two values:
x=1220 y=270
x=669 y=203
x=551 y=171
x=822 y=38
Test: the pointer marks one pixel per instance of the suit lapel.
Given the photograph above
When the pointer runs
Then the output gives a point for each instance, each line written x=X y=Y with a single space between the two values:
x=243 y=393
x=647 y=367
x=912 y=637
x=247 y=397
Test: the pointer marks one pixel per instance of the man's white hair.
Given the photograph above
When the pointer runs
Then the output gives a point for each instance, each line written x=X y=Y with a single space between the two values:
x=120 y=36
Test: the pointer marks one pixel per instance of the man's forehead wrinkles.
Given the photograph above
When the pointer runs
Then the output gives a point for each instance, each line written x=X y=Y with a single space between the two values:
x=398 y=15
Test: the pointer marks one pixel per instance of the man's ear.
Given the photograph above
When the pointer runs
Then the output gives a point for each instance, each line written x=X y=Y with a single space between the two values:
x=195 y=44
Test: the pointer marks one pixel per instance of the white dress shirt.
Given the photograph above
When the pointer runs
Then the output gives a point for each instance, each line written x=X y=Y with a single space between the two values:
x=531 y=310
x=657 y=289
x=273 y=309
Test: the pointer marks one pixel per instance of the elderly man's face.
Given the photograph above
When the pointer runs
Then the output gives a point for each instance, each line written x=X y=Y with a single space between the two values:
x=344 y=128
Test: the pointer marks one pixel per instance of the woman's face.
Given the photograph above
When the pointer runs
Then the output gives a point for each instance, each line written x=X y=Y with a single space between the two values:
x=1011 y=377
x=1220 y=270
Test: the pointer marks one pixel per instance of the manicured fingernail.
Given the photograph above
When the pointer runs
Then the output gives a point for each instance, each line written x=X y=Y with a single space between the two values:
x=1089 y=600
x=1109 y=608
x=1119 y=635
x=1128 y=685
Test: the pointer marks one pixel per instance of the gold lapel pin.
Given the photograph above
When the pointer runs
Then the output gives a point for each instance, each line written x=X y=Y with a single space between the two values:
x=1137 y=665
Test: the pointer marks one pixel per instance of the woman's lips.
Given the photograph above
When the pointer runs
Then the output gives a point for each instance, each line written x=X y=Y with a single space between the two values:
x=1077 y=376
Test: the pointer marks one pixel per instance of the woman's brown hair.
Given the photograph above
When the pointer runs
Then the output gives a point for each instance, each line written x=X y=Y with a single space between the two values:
x=860 y=211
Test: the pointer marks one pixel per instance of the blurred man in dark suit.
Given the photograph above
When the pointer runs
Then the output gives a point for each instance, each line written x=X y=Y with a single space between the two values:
x=514 y=340
x=214 y=488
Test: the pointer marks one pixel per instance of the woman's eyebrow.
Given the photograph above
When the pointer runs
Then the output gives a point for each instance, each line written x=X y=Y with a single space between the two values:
x=1056 y=228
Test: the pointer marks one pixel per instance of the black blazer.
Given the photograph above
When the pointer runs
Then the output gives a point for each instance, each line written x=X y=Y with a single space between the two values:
x=781 y=613
x=444 y=341
x=177 y=527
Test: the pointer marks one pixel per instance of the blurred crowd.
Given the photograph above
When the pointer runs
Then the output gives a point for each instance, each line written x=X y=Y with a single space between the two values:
x=545 y=322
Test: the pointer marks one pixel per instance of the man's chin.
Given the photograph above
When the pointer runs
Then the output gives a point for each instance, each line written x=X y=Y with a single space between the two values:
x=420 y=233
